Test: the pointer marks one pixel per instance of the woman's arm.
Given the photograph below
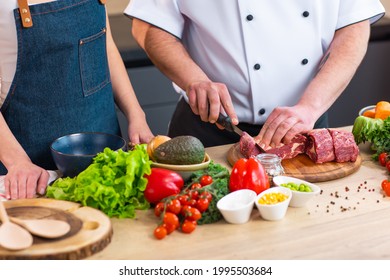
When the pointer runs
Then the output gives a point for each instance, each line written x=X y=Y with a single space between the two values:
x=139 y=131
x=24 y=179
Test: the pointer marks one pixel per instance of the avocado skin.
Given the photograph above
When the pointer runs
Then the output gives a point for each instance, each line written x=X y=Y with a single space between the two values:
x=180 y=150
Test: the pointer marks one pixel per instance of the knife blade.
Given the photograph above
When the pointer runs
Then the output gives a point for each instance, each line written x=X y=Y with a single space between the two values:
x=226 y=122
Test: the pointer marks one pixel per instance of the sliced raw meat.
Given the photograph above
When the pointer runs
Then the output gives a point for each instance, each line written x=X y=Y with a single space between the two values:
x=248 y=146
x=295 y=147
x=345 y=148
x=320 y=146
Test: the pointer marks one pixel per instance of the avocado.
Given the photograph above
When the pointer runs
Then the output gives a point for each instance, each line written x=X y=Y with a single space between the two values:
x=180 y=150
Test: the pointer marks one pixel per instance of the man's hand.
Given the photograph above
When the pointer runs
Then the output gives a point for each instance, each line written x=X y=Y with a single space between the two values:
x=284 y=123
x=208 y=99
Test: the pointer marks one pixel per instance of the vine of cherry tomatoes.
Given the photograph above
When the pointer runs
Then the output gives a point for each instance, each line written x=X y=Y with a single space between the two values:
x=384 y=160
x=182 y=211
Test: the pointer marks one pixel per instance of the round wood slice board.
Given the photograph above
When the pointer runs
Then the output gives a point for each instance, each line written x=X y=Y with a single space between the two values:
x=302 y=167
x=90 y=229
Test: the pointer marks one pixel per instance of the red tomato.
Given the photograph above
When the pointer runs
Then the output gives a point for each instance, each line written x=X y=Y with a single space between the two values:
x=194 y=194
x=188 y=226
x=170 y=228
x=383 y=159
x=207 y=195
x=194 y=214
x=195 y=186
x=174 y=206
x=171 y=219
x=206 y=180
x=158 y=209
x=388 y=165
x=160 y=232
x=386 y=187
x=202 y=204
x=183 y=199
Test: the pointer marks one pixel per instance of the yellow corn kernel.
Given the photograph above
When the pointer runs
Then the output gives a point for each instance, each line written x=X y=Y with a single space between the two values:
x=272 y=198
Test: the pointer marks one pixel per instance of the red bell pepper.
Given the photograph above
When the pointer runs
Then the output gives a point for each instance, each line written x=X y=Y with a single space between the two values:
x=248 y=174
x=161 y=184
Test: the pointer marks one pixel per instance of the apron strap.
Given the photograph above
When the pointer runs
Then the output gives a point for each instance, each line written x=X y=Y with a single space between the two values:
x=25 y=14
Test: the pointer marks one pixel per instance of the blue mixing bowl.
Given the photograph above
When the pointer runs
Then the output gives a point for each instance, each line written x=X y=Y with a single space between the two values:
x=73 y=153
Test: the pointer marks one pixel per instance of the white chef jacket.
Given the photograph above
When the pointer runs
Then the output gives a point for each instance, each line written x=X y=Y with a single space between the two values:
x=8 y=44
x=266 y=52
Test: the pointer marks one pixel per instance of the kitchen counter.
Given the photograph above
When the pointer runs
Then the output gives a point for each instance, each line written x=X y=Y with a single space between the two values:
x=348 y=220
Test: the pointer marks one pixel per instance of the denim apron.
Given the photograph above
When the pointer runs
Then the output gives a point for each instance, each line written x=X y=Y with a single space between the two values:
x=62 y=82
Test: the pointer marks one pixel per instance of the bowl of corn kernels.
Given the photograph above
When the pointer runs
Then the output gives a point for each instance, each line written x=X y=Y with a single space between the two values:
x=273 y=203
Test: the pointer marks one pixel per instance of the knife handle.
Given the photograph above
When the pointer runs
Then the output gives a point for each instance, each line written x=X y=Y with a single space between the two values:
x=226 y=122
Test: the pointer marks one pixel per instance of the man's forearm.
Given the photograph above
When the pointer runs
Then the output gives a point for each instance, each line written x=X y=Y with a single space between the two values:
x=166 y=51
x=337 y=67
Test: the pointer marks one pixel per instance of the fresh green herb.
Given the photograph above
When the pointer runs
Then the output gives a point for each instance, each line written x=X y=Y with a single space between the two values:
x=219 y=188
x=113 y=183
x=375 y=131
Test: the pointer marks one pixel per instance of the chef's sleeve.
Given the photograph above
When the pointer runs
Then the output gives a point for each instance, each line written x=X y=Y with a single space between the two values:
x=353 y=11
x=164 y=14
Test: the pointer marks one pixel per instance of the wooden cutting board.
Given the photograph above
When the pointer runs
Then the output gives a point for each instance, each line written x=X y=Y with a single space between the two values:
x=90 y=232
x=302 y=167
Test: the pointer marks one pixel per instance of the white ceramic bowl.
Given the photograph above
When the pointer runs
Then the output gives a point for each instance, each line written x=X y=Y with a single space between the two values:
x=185 y=171
x=236 y=207
x=361 y=111
x=299 y=199
x=274 y=212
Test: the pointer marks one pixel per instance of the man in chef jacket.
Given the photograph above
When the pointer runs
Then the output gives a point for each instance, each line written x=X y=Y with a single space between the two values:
x=274 y=67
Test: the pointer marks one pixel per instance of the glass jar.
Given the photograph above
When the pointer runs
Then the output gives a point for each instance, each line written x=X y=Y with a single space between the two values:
x=272 y=165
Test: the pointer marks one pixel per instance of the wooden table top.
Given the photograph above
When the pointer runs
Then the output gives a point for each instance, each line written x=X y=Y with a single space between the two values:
x=349 y=220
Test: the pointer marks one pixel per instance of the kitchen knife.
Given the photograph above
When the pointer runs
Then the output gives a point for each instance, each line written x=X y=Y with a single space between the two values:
x=226 y=122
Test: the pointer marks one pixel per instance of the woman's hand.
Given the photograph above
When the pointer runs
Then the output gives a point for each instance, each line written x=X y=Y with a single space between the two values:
x=25 y=180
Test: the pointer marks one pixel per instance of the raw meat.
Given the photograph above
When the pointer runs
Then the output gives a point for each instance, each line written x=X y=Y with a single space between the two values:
x=345 y=148
x=295 y=147
x=248 y=146
x=320 y=146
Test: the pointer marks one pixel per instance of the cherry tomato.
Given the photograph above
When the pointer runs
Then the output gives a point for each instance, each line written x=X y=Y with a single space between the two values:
x=188 y=226
x=171 y=219
x=202 y=204
x=158 y=209
x=170 y=228
x=383 y=159
x=386 y=187
x=174 y=206
x=191 y=202
x=194 y=214
x=195 y=186
x=206 y=180
x=183 y=199
x=388 y=166
x=194 y=194
x=160 y=232
x=207 y=195
x=185 y=210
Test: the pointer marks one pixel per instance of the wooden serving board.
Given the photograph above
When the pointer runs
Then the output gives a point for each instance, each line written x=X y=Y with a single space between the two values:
x=302 y=167
x=90 y=232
